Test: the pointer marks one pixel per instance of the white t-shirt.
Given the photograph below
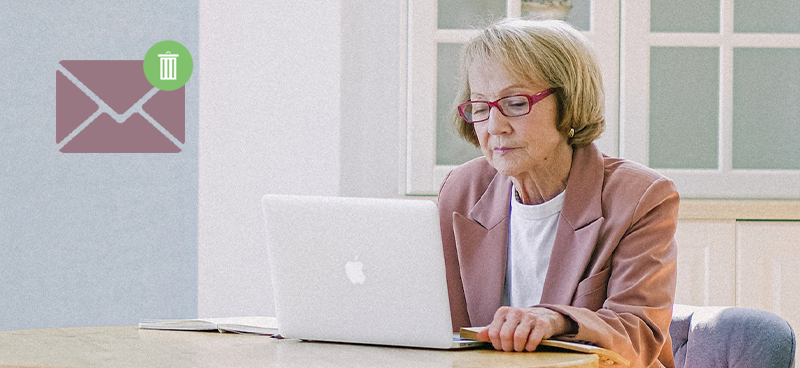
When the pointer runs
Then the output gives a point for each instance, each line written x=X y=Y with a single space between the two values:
x=531 y=235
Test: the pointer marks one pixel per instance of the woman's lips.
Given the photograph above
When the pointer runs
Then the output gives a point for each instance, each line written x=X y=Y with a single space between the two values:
x=503 y=150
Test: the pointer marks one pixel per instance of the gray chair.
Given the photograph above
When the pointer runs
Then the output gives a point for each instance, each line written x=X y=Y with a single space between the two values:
x=717 y=337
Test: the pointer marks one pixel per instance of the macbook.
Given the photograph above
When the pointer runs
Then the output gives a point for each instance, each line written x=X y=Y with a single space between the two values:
x=359 y=270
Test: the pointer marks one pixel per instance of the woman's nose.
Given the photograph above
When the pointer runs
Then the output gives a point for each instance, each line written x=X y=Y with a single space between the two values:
x=498 y=123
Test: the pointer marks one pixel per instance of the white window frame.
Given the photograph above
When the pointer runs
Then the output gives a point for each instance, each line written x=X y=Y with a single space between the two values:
x=724 y=182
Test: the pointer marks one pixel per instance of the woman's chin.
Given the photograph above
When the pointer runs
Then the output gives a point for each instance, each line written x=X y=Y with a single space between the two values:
x=505 y=167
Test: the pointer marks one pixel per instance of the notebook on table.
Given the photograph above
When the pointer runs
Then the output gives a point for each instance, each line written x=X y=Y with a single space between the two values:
x=359 y=270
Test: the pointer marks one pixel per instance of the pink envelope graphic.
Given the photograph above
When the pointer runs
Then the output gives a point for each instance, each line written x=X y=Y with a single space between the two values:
x=120 y=85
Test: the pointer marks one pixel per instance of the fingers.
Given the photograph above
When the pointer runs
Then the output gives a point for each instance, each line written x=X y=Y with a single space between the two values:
x=521 y=336
x=516 y=329
x=508 y=332
x=496 y=326
x=536 y=336
x=483 y=335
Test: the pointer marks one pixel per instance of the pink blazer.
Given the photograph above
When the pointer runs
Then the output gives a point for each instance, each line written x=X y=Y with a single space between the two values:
x=613 y=266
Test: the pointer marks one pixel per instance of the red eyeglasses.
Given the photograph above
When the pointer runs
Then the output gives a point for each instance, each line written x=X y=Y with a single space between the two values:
x=511 y=106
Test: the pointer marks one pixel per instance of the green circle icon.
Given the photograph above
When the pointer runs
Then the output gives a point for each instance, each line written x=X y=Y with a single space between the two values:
x=168 y=65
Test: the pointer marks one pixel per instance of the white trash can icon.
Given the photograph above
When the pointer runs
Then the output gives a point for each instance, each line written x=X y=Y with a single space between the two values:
x=169 y=66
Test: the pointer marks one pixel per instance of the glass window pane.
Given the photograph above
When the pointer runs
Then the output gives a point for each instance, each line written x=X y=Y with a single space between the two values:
x=775 y=16
x=579 y=14
x=684 y=107
x=766 y=108
x=684 y=16
x=450 y=148
x=461 y=14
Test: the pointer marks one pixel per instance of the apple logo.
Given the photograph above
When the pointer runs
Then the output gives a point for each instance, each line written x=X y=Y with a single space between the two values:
x=355 y=271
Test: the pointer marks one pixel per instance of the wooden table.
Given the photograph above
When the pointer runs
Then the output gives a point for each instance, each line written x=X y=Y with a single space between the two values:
x=111 y=347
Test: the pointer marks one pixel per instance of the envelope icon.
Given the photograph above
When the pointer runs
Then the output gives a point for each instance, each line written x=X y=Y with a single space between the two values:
x=125 y=114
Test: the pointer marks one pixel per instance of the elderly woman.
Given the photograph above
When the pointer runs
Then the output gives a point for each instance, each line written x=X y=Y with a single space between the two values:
x=545 y=236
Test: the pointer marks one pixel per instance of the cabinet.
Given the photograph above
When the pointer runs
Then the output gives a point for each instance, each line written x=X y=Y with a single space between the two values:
x=740 y=253
x=768 y=267
x=706 y=262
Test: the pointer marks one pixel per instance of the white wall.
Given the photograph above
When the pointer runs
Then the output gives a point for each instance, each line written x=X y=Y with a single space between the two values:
x=295 y=97
x=371 y=126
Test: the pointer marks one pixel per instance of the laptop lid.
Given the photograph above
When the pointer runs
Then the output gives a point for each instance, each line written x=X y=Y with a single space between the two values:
x=359 y=270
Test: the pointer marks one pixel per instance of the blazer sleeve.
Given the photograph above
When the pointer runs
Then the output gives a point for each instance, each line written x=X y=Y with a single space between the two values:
x=634 y=318
x=460 y=190
x=448 y=204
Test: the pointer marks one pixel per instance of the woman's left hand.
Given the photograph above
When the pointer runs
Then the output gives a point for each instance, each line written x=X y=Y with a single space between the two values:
x=522 y=329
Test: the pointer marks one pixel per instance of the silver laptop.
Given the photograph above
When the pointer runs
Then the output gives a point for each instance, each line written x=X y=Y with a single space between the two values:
x=358 y=270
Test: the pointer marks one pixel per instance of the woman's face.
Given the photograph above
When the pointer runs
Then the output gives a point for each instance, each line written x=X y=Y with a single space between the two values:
x=513 y=146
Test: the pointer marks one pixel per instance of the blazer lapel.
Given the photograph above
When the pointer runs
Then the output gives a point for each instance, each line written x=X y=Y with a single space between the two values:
x=578 y=228
x=481 y=241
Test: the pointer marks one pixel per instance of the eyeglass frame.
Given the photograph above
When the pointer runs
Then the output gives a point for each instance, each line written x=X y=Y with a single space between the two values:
x=532 y=100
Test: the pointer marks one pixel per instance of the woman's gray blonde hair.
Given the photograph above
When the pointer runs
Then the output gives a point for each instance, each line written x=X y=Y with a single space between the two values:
x=550 y=52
